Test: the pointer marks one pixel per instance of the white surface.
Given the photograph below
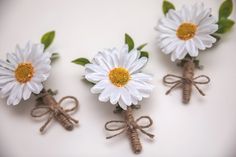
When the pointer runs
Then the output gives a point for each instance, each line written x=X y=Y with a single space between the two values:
x=204 y=128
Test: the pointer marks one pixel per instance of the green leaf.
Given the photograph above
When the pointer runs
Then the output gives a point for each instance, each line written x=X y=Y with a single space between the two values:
x=224 y=25
x=225 y=9
x=47 y=39
x=166 y=6
x=141 y=46
x=81 y=61
x=144 y=54
x=129 y=41
x=54 y=56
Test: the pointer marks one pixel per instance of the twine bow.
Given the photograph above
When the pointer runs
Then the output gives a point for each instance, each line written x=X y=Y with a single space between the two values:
x=180 y=80
x=129 y=125
x=53 y=111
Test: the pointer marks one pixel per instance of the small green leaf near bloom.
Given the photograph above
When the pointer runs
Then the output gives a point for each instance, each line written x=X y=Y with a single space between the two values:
x=166 y=6
x=54 y=56
x=144 y=54
x=81 y=61
x=224 y=25
x=47 y=39
x=141 y=46
x=129 y=41
x=226 y=9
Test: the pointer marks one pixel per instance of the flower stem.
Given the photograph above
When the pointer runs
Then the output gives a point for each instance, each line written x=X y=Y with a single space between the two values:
x=59 y=114
x=188 y=73
x=132 y=131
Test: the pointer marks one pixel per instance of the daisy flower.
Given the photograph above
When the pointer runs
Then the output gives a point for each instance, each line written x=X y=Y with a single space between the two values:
x=186 y=31
x=23 y=72
x=117 y=77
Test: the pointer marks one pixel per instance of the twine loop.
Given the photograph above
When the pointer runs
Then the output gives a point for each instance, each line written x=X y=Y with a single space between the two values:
x=54 y=110
x=125 y=125
x=178 y=80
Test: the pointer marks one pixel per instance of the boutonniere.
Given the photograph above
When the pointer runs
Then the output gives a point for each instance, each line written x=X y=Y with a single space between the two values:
x=117 y=78
x=23 y=73
x=184 y=33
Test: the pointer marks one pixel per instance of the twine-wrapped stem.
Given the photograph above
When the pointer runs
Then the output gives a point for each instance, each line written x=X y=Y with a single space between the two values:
x=187 y=81
x=131 y=127
x=188 y=74
x=53 y=108
x=132 y=131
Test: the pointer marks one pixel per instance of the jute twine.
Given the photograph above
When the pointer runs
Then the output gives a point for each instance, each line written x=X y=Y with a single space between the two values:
x=187 y=80
x=52 y=108
x=130 y=126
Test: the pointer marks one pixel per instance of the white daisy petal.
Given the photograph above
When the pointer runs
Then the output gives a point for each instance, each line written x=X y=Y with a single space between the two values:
x=12 y=59
x=99 y=87
x=15 y=83
x=125 y=96
x=182 y=54
x=173 y=15
x=19 y=53
x=208 y=38
x=26 y=92
x=169 y=23
x=179 y=50
x=191 y=48
x=6 y=80
x=198 y=43
x=208 y=21
x=133 y=91
x=19 y=95
x=105 y=94
x=145 y=92
x=6 y=65
x=131 y=58
x=173 y=57
x=95 y=77
x=134 y=100
x=171 y=47
x=186 y=31
x=122 y=104
x=115 y=96
x=8 y=87
x=165 y=42
x=202 y=15
x=5 y=72
x=164 y=29
x=13 y=94
x=141 y=76
x=34 y=87
x=95 y=68
x=139 y=64
x=115 y=84
x=207 y=29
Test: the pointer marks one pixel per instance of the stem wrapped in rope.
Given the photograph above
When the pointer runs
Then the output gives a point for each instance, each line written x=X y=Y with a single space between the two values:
x=186 y=81
x=188 y=73
x=50 y=106
x=130 y=126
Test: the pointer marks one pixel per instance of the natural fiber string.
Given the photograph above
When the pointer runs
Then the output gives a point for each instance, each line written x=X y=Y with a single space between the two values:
x=55 y=111
x=181 y=80
x=130 y=126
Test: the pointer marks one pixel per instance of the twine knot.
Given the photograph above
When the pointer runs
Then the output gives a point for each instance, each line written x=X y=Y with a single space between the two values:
x=54 y=111
x=178 y=80
x=125 y=125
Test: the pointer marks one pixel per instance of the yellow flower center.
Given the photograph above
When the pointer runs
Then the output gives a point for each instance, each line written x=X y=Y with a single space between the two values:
x=119 y=76
x=24 y=72
x=186 y=31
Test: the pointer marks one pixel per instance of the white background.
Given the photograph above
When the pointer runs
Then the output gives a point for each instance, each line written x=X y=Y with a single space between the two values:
x=204 y=128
